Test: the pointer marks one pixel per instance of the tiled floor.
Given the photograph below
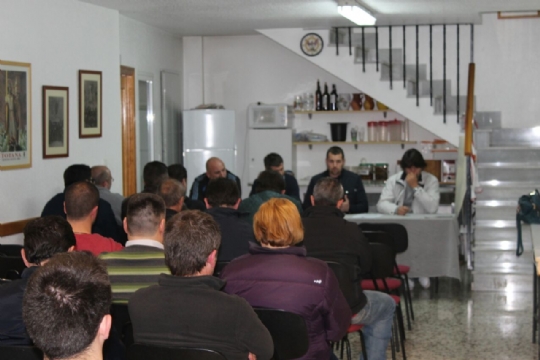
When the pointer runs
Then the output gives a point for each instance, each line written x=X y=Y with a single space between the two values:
x=458 y=324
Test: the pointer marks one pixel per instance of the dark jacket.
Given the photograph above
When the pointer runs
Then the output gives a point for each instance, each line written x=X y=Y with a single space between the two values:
x=236 y=233
x=291 y=187
x=194 y=204
x=105 y=224
x=286 y=279
x=12 y=328
x=252 y=204
x=169 y=213
x=198 y=189
x=192 y=312
x=329 y=237
x=353 y=187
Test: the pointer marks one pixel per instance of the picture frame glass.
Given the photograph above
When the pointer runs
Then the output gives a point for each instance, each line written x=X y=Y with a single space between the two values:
x=55 y=122
x=90 y=104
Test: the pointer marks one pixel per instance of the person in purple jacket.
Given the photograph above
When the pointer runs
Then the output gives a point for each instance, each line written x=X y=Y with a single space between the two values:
x=276 y=274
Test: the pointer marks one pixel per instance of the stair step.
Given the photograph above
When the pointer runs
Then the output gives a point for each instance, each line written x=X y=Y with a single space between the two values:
x=499 y=245
x=496 y=213
x=506 y=258
x=505 y=268
x=515 y=137
x=502 y=282
x=509 y=172
x=513 y=155
x=503 y=193
x=424 y=88
x=488 y=119
x=495 y=234
x=397 y=72
x=495 y=224
x=451 y=104
x=384 y=57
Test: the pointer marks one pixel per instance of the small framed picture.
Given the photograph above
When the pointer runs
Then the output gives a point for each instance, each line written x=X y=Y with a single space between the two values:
x=55 y=122
x=89 y=104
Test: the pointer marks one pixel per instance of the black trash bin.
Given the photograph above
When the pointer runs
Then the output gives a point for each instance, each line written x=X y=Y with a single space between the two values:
x=338 y=131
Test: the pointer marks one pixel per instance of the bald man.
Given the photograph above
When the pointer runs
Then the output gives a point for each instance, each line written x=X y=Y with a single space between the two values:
x=215 y=168
x=103 y=181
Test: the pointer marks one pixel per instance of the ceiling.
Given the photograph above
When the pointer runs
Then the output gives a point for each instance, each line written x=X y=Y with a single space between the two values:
x=243 y=17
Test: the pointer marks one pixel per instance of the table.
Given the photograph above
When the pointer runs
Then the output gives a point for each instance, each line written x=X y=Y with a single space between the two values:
x=433 y=242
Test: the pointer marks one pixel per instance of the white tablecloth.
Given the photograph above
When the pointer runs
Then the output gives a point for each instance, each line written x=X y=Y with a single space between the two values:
x=433 y=242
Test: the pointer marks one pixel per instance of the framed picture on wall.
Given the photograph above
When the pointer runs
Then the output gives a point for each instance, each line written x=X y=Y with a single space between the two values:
x=55 y=122
x=15 y=115
x=89 y=104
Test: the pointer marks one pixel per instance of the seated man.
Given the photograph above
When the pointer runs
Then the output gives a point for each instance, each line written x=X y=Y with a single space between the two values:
x=222 y=199
x=66 y=307
x=274 y=162
x=355 y=199
x=179 y=172
x=105 y=223
x=411 y=190
x=103 y=181
x=172 y=192
x=43 y=237
x=329 y=237
x=143 y=259
x=270 y=184
x=187 y=307
x=81 y=207
x=154 y=173
x=278 y=275
x=215 y=168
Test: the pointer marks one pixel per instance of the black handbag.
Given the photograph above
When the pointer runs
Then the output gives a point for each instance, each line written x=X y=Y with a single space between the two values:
x=528 y=211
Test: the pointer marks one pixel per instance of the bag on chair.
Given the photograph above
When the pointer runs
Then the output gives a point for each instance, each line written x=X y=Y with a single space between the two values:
x=528 y=211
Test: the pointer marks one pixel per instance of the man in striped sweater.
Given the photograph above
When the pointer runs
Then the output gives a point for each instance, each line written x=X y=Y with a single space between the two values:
x=143 y=259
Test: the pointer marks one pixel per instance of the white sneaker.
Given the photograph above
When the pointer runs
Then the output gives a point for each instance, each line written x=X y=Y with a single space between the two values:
x=424 y=281
x=411 y=284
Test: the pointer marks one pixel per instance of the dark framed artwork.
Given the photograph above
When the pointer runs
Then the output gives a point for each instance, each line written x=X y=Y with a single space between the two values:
x=55 y=122
x=90 y=106
x=15 y=115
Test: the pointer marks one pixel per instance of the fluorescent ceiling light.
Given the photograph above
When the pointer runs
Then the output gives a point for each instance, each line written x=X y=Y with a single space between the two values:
x=354 y=12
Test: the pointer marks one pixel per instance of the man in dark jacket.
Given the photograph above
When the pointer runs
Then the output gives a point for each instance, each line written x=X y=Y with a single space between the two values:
x=187 y=307
x=172 y=192
x=222 y=200
x=215 y=168
x=329 y=237
x=43 y=238
x=355 y=199
x=274 y=162
x=179 y=172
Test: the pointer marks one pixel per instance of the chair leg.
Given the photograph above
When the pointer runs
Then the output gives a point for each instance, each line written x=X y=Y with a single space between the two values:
x=535 y=305
x=396 y=333
x=409 y=295
x=363 y=343
x=401 y=332
x=407 y=312
x=343 y=343
x=392 y=342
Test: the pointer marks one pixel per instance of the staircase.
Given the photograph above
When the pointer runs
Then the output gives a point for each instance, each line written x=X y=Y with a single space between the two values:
x=508 y=166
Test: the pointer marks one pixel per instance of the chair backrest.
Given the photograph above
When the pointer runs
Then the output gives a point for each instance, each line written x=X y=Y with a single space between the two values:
x=11 y=267
x=219 y=267
x=20 y=352
x=11 y=249
x=397 y=231
x=121 y=322
x=289 y=332
x=159 y=352
x=383 y=258
x=380 y=237
x=349 y=287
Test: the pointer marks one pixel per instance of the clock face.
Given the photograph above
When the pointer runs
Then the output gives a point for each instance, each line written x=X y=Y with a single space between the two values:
x=311 y=44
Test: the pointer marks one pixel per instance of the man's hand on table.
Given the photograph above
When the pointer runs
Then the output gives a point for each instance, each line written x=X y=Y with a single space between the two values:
x=402 y=210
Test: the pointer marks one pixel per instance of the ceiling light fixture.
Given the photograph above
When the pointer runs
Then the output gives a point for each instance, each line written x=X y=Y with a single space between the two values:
x=351 y=10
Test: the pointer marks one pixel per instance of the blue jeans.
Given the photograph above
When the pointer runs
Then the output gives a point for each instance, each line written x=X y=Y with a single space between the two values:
x=377 y=317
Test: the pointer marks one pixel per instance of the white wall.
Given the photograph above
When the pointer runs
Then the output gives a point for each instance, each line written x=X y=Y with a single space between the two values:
x=150 y=50
x=507 y=54
x=60 y=37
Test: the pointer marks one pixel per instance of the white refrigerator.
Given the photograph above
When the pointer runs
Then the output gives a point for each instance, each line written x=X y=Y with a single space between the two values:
x=206 y=134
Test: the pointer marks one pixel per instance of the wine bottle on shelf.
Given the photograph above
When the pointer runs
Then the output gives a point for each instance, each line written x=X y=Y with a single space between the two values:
x=325 y=98
x=333 y=99
x=318 y=98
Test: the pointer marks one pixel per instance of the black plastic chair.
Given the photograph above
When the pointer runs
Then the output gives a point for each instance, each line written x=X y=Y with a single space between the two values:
x=11 y=249
x=121 y=322
x=289 y=332
x=220 y=265
x=11 y=267
x=20 y=352
x=155 y=352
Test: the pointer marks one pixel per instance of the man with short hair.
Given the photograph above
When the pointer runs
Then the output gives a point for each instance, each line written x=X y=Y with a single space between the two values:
x=172 y=192
x=329 y=237
x=153 y=173
x=355 y=199
x=66 y=307
x=274 y=162
x=143 y=259
x=103 y=181
x=222 y=200
x=205 y=317
x=43 y=238
x=215 y=168
x=105 y=223
x=81 y=207
x=270 y=184
x=179 y=172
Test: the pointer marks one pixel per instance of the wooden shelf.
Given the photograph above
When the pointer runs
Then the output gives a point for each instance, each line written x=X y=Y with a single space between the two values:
x=311 y=112
x=444 y=150
x=355 y=143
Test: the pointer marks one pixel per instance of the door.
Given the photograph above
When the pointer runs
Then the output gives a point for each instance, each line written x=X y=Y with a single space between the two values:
x=263 y=142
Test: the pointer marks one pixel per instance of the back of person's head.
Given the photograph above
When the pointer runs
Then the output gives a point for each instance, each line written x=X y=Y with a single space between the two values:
x=222 y=192
x=190 y=237
x=335 y=150
x=76 y=173
x=269 y=180
x=272 y=160
x=45 y=237
x=171 y=191
x=412 y=157
x=144 y=214
x=81 y=198
x=101 y=174
x=178 y=172
x=65 y=304
x=154 y=172
x=277 y=223
x=327 y=192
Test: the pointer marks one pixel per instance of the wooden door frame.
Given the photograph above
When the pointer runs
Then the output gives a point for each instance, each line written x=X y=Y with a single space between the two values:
x=129 y=135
